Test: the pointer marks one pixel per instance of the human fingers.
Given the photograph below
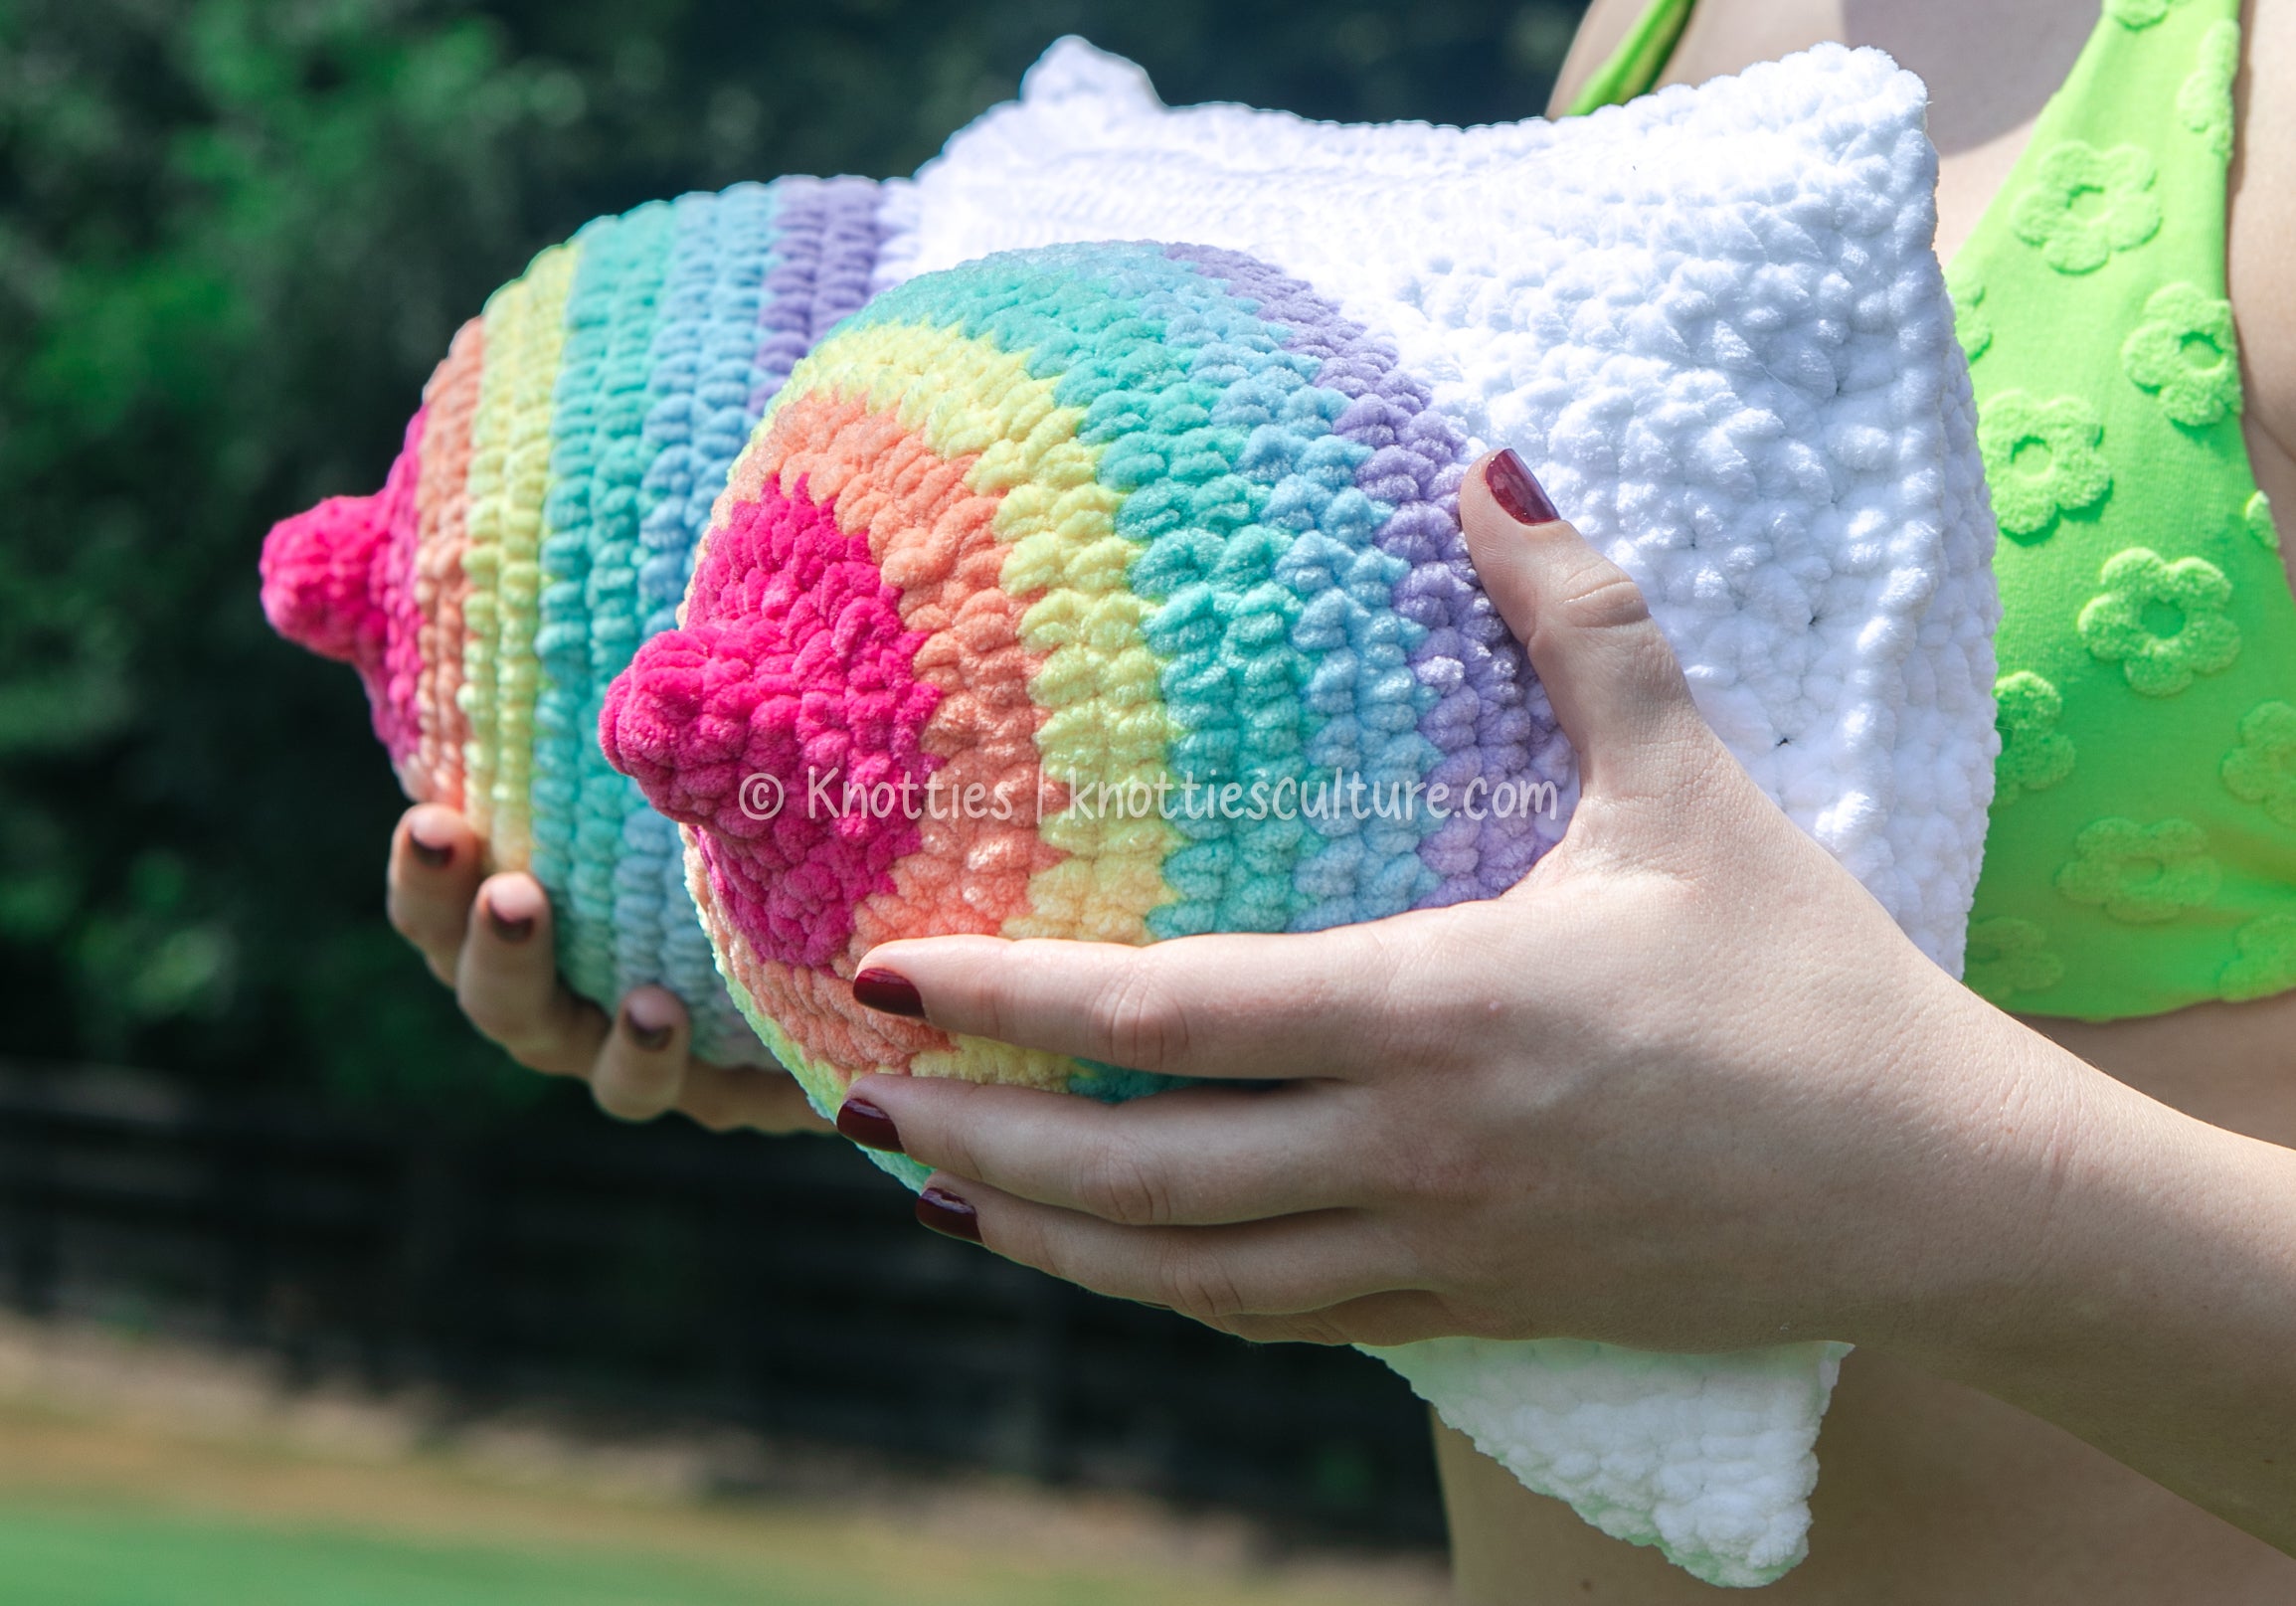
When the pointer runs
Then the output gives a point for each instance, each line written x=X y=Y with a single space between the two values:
x=640 y=1069
x=1216 y=1274
x=1192 y=1157
x=761 y=1098
x=1397 y=1316
x=507 y=981
x=1307 y=1005
x=434 y=873
x=1615 y=683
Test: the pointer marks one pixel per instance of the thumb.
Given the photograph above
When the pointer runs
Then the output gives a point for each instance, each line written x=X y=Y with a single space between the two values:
x=1614 y=681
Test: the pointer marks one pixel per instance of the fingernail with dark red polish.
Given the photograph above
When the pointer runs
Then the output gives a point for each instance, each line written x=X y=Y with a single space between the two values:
x=947 y=1214
x=436 y=855
x=868 y=1126
x=509 y=931
x=889 y=993
x=1515 y=491
x=653 y=1039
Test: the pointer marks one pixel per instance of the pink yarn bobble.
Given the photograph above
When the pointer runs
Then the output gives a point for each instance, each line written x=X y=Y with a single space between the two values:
x=759 y=726
x=318 y=579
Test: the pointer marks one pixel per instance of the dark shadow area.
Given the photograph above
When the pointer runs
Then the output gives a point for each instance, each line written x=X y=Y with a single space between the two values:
x=665 y=1277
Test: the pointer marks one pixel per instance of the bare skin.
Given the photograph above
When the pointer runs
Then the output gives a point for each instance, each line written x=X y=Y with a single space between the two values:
x=1933 y=1489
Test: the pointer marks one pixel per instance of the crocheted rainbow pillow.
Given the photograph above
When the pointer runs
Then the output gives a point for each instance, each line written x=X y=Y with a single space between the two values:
x=1117 y=592
x=1109 y=592
x=538 y=525
x=1712 y=322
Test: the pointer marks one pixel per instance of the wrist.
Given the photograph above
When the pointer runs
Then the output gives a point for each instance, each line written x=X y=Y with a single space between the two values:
x=2083 y=1205
x=2145 y=1305
x=2025 y=1150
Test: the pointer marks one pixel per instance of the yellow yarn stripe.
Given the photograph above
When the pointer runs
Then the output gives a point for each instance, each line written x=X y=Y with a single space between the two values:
x=1107 y=719
x=509 y=473
x=984 y=1059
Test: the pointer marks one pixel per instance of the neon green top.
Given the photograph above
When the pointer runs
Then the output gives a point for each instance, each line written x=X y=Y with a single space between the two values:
x=2141 y=854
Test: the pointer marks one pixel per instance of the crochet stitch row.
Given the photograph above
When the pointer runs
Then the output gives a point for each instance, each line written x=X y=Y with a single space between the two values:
x=1058 y=527
x=539 y=525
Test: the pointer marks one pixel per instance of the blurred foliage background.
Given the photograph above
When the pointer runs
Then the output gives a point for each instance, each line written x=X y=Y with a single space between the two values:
x=235 y=236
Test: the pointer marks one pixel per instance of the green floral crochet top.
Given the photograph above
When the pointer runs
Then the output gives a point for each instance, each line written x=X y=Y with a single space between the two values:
x=2141 y=854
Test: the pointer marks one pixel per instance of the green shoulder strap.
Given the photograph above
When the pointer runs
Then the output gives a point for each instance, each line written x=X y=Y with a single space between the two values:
x=1635 y=65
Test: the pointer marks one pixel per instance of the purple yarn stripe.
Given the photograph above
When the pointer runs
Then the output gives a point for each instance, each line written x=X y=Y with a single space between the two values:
x=1490 y=719
x=825 y=245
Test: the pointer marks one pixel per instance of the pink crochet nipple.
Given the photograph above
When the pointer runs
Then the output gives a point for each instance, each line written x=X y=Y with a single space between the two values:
x=339 y=580
x=320 y=587
x=785 y=720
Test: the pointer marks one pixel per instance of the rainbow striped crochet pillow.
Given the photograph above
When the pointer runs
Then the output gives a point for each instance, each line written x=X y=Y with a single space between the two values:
x=539 y=525
x=1118 y=592
x=1056 y=532
x=1111 y=592
x=1062 y=531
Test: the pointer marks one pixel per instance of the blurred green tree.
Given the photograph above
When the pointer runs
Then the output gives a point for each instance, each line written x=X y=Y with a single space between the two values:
x=234 y=234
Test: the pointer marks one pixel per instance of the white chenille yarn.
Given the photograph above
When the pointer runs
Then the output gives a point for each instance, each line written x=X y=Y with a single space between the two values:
x=1708 y=1458
x=1712 y=323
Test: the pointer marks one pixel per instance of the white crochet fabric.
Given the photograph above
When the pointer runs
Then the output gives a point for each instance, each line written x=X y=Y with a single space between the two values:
x=1712 y=323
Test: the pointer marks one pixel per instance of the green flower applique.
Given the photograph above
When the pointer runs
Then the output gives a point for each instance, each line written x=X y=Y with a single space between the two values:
x=2143 y=874
x=2162 y=622
x=2258 y=515
x=2264 y=962
x=2137 y=13
x=2087 y=204
x=2183 y=351
x=2041 y=460
x=1971 y=324
x=2205 y=98
x=2033 y=754
x=2008 y=955
x=2262 y=768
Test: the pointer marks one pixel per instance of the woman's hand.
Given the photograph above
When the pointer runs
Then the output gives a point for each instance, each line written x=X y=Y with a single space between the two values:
x=1687 y=1086
x=490 y=940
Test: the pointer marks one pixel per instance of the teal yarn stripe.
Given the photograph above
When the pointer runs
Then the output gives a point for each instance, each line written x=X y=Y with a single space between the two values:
x=597 y=415
x=1256 y=550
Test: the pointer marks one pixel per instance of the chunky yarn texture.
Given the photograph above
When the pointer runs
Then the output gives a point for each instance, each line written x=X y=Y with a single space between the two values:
x=540 y=523
x=1111 y=592
x=1070 y=532
x=1712 y=323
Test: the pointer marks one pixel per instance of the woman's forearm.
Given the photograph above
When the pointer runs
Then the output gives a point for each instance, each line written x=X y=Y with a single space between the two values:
x=1691 y=1124
x=2155 y=1310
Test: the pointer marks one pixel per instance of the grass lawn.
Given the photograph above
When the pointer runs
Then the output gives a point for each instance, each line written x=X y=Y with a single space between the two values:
x=67 y=1556
x=97 y=1512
